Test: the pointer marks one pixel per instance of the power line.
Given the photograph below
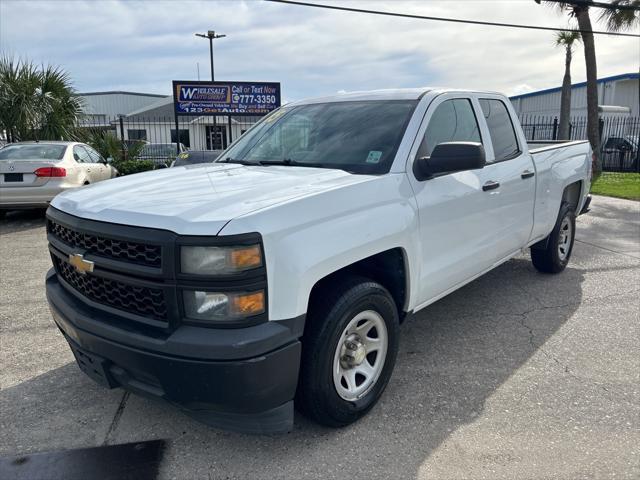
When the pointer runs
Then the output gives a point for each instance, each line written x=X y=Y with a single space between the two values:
x=446 y=19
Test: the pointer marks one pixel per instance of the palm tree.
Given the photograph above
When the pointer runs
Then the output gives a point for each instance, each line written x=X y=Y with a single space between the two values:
x=36 y=103
x=566 y=40
x=618 y=18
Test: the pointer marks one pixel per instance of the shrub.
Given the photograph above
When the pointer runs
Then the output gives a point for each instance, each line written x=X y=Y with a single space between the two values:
x=127 y=167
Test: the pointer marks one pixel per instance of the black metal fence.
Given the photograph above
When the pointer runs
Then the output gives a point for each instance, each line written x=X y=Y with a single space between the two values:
x=619 y=138
x=194 y=132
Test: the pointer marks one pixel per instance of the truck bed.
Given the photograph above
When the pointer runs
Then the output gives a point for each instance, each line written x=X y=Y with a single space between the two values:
x=536 y=146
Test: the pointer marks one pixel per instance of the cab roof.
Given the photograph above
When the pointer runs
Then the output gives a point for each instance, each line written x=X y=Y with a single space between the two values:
x=387 y=94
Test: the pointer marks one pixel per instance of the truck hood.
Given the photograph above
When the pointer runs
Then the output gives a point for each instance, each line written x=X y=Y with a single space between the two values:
x=197 y=199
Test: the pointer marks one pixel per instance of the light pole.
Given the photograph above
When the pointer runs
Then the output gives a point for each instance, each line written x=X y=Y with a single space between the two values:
x=211 y=35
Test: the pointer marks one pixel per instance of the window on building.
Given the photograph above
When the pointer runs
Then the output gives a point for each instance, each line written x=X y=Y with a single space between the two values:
x=503 y=136
x=453 y=121
x=137 y=134
x=184 y=137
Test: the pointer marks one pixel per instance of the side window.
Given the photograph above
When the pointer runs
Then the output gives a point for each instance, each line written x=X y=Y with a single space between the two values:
x=453 y=121
x=95 y=156
x=81 y=155
x=503 y=136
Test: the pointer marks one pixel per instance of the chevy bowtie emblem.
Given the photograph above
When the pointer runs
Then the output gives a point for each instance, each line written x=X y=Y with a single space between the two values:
x=82 y=266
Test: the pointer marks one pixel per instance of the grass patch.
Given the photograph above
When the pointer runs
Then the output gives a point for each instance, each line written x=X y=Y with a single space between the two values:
x=620 y=185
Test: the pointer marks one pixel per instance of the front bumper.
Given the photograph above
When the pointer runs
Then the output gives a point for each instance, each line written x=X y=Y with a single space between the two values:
x=241 y=379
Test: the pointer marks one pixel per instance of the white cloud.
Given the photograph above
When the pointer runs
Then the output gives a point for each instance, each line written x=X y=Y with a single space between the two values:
x=143 y=45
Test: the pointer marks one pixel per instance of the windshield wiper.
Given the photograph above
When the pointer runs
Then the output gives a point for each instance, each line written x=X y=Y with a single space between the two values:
x=239 y=161
x=284 y=161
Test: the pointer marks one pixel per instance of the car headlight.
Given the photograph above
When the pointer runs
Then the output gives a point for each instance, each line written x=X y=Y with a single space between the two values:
x=209 y=260
x=221 y=307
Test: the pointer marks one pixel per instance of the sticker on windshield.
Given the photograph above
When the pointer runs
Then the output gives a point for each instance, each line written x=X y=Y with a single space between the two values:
x=374 y=156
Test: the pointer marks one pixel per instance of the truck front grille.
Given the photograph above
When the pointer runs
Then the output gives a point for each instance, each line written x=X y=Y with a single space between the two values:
x=133 y=252
x=144 y=301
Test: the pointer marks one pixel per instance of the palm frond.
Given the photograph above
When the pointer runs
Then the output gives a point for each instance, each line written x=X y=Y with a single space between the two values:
x=618 y=19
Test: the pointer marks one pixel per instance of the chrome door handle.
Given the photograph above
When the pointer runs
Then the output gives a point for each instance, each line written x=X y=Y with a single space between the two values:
x=490 y=185
x=527 y=174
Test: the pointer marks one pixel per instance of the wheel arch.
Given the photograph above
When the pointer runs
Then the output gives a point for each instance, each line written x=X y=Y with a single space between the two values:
x=389 y=268
x=572 y=194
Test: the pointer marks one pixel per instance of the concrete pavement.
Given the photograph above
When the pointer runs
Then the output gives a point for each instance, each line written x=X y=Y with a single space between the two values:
x=517 y=375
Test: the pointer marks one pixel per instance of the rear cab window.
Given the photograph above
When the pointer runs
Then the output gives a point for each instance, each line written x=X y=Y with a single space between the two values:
x=501 y=130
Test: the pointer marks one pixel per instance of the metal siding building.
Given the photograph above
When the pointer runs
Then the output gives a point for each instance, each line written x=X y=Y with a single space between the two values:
x=618 y=90
x=101 y=106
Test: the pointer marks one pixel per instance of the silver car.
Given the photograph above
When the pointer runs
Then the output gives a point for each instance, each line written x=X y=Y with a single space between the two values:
x=32 y=173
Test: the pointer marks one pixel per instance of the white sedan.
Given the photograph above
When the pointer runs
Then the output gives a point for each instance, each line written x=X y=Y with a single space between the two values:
x=32 y=173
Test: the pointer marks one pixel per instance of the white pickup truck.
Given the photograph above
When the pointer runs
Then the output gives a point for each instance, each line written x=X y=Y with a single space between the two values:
x=281 y=272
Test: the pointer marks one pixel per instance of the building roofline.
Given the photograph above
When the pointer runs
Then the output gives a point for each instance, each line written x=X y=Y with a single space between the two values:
x=622 y=76
x=122 y=92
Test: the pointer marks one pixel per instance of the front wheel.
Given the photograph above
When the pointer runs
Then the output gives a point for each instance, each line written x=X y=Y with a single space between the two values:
x=348 y=351
x=552 y=254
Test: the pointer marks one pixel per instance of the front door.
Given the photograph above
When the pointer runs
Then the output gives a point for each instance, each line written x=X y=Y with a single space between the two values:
x=216 y=137
x=459 y=221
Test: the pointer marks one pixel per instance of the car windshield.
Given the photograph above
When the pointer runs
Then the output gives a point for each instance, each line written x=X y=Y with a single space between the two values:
x=40 y=151
x=360 y=136
x=158 y=150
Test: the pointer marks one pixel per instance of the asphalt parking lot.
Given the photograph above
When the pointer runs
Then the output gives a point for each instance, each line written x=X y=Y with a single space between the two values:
x=517 y=375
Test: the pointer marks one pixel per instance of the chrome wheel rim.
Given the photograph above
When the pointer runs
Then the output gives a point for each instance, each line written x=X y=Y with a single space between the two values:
x=564 y=238
x=360 y=355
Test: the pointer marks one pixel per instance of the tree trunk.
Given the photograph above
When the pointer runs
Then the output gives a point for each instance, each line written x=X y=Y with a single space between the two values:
x=593 y=128
x=565 y=98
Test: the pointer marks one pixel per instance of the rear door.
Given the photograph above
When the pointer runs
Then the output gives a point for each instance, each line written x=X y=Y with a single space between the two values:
x=513 y=174
x=86 y=164
x=102 y=170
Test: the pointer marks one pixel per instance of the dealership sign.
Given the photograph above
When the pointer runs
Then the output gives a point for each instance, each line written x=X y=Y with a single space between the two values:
x=228 y=98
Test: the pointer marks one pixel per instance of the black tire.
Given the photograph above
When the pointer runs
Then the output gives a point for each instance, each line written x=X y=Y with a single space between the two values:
x=545 y=255
x=330 y=311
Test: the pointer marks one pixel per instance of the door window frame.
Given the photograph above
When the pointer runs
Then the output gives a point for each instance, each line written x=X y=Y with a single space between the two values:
x=492 y=160
x=431 y=108
x=82 y=148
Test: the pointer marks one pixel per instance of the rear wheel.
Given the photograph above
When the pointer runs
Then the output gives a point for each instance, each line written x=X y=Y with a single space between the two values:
x=348 y=351
x=552 y=254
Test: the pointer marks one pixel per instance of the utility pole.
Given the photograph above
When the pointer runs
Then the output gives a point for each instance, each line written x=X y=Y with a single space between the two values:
x=211 y=35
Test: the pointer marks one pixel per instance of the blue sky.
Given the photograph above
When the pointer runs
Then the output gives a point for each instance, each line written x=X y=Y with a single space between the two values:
x=143 y=45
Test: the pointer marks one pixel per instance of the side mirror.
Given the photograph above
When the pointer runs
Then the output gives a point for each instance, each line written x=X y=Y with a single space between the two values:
x=450 y=157
x=108 y=160
x=76 y=157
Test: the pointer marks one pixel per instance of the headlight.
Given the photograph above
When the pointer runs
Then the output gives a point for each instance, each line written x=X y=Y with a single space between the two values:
x=219 y=260
x=218 y=306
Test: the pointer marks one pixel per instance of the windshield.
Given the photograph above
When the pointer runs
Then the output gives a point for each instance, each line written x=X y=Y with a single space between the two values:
x=39 y=151
x=159 y=150
x=361 y=137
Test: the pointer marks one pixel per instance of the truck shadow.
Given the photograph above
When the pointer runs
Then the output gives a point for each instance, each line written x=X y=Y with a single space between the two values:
x=454 y=356
x=22 y=220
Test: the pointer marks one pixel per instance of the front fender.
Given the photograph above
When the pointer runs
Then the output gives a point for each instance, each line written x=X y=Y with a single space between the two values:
x=309 y=238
